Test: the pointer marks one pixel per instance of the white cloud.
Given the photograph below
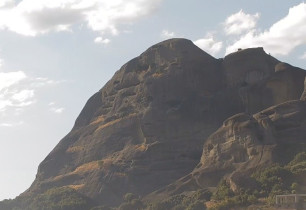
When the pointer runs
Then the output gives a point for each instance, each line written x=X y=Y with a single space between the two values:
x=10 y=78
x=165 y=34
x=12 y=94
x=281 y=38
x=23 y=95
x=57 y=110
x=17 y=90
x=39 y=82
x=51 y=103
x=6 y=125
x=34 y=17
x=100 y=40
x=209 y=44
x=11 y=124
x=240 y=22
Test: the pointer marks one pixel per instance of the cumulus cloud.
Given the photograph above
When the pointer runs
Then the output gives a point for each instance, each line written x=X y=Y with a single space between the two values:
x=11 y=124
x=8 y=79
x=240 y=22
x=209 y=44
x=17 y=90
x=23 y=95
x=165 y=34
x=56 y=110
x=34 y=17
x=42 y=81
x=281 y=38
x=11 y=94
x=100 y=40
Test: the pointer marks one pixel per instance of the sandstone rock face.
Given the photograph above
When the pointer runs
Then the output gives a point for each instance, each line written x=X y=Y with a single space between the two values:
x=143 y=130
x=146 y=127
x=244 y=144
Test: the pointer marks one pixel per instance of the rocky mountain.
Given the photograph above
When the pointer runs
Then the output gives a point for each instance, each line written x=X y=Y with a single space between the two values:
x=175 y=120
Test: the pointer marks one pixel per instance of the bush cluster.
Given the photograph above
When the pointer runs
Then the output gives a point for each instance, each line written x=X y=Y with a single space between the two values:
x=194 y=201
x=270 y=181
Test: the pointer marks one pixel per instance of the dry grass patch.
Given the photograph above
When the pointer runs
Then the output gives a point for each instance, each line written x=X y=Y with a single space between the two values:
x=114 y=122
x=94 y=165
x=87 y=167
x=75 y=149
x=156 y=75
x=98 y=120
x=210 y=204
x=141 y=147
x=108 y=124
x=59 y=177
x=76 y=187
x=104 y=164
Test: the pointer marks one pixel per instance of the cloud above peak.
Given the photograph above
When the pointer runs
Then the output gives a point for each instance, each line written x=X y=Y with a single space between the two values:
x=240 y=22
x=166 y=34
x=35 y=17
x=281 y=38
x=209 y=44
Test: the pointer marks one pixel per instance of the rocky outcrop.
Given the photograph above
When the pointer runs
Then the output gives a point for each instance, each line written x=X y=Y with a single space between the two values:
x=143 y=130
x=146 y=127
x=243 y=144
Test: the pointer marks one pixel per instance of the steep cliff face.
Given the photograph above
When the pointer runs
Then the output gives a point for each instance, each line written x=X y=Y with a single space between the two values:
x=146 y=127
x=141 y=131
x=246 y=143
x=243 y=145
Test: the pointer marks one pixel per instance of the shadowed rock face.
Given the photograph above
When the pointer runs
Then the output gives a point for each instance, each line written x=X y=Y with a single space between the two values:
x=303 y=97
x=146 y=127
x=244 y=144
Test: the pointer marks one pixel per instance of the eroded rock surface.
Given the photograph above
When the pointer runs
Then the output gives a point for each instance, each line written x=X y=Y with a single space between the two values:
x=243 y=144
x=146 y=127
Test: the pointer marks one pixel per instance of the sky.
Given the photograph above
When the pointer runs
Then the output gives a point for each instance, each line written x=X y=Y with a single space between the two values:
x=55 y=54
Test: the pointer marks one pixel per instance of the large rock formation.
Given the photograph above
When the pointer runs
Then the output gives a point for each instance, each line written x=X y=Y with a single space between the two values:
x=146 y=127
x=244 y=144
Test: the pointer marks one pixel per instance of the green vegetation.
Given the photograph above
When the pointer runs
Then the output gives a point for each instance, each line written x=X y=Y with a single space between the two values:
x=223 y=191
x=225 y=198
x=132 y=202
x=266 y=183
x=194 y=201
x=298 y=165
x=270 y=181
x=61 y=198
x=274 y=180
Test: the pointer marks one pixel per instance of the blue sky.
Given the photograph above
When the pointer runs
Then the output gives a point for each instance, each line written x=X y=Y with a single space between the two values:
x=54 y=54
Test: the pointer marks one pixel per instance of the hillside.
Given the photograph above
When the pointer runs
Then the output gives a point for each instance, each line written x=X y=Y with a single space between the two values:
x=175 y=121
